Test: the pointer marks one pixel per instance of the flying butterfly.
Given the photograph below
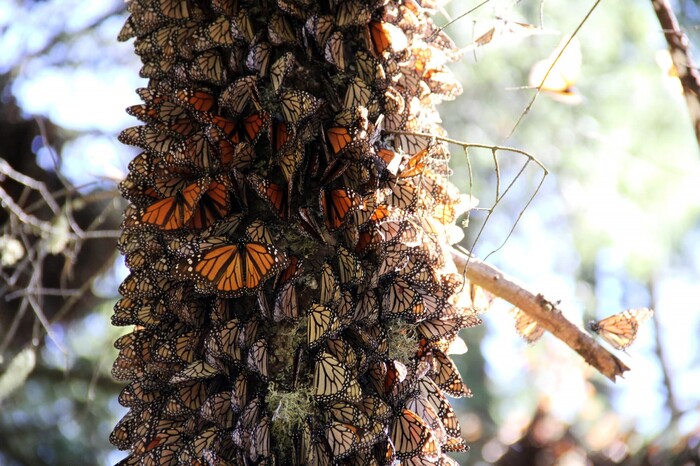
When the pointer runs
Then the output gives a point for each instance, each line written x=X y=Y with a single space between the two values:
x=556 y=75
x=620 y=330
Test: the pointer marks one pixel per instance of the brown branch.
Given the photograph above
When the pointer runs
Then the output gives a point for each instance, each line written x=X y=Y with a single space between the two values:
x=671 y=402
x=678 y=46
x=544 y=312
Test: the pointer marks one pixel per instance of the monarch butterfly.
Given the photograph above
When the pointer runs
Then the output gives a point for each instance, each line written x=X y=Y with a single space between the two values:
x=224 y=341
x=289 y=159
x=416 y=165
x=141 y=285
x=320 y=28
x=367 y=307
x=410 y=143
x=309 y=225
x=147 y=137
x=446 y=376
x=150 y=314
x=136 y=395
x=402 y=194
x=225 y=127
x=213 y=205
x=219 y=410
x=411 y=437
x=169 y=115
x=322 y=322
x=257 y=359
x=236 y=96
x=428 y=413
x=218 y=33
x=342 y=438
x=330 y=290
x=196 y=151
x=279 y=30
x=526 y=326
x=258 y=59
x=386 y=36
x=348 y=414
x=352 y=13
x=336 y=205
x=620 y=330
x=297 y=106
x=234 y=269
x=369 y=69
x=271 y=193
x=334 y=50
x=170 y=213
x=347 y=354
x=208 y=66
x=349 y=130
x=286 y=304
x=195 y=371
x=186 y=399
x=375 y=408
x=197 y=100
x=556 y=74
x=127 y=31
x=280 y=69
x=447 y=415
x=261 y=440
x=181 y=349
x=437 y=329
x=254 y=125
x=443 y=83
x=339 y=138
x=349 y=266
x=241 y=25
x=333 y=380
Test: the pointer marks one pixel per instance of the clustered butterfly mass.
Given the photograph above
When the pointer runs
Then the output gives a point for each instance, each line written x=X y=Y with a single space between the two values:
x=283 y=242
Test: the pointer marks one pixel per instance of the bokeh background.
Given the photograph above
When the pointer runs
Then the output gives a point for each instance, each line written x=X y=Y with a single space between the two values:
x=615 y=225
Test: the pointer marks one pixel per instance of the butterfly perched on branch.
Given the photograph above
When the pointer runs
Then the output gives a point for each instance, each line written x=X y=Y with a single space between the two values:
x=620 y=329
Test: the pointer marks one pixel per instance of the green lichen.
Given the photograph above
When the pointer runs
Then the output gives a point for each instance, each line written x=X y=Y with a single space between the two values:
x=289 y=410
x=401 y=340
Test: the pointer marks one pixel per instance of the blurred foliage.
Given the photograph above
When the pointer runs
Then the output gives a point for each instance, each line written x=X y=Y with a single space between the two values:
x=615 y=225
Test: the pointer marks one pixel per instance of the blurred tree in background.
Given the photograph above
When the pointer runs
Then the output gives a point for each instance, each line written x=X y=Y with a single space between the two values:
x=614 y=226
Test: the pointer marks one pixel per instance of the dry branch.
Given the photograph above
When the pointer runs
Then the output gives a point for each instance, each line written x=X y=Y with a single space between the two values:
x=543 y=311
x=679 y=48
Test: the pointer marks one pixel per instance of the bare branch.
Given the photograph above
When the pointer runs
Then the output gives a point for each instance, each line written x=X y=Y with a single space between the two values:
x=679 y=47
x=671 y=402
x=544 y=312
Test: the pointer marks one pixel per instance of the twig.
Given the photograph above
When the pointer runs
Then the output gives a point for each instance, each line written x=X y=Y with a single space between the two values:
x=671 y=402
x=544 y=312
x=457 y=19
x=549 y=70
x=678 y=46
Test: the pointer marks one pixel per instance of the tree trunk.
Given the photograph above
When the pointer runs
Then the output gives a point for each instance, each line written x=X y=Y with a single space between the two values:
x=291 y=283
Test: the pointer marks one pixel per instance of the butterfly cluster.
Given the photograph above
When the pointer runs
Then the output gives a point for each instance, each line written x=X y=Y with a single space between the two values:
x=289 y=233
